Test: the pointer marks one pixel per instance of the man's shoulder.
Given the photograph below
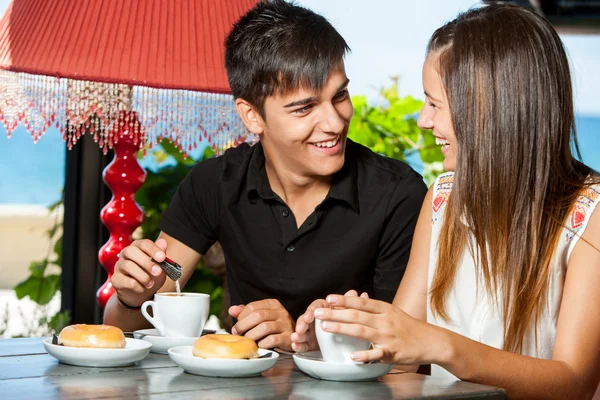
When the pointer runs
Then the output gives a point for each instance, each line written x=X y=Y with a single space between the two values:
x=380 y=167
x=232 y=163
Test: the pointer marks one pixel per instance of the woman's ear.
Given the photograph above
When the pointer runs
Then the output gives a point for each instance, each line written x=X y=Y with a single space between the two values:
x=251 y=118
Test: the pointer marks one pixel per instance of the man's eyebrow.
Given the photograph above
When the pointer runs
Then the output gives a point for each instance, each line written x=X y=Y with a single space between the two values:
x=343 y=85
x=302 y=102
x=431 y=97
x=312 y=99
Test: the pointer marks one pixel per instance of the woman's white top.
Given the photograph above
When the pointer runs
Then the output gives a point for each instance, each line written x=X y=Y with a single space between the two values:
x=472 y=312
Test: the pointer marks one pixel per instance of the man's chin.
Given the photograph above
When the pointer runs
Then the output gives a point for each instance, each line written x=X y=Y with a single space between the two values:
x=331 y=166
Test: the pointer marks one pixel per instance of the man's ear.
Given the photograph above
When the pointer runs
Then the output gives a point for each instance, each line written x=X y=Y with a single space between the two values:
x=251 y=118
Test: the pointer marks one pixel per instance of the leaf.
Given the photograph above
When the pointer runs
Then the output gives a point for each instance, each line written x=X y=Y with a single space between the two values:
x=58 y=251
x=59 y=321
x=38 y=268
x=359 y=103
x=48 y=289
x=27 y=287
x=174 y=152
x=430 y=152
x=39 y=289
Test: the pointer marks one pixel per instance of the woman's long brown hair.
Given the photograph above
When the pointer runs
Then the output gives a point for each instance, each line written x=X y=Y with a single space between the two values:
x=508 y=84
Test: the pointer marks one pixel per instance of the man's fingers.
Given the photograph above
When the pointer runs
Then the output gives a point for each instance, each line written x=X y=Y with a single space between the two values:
x=138 y=256
x=267 y=304
x=235 y=311
x=263 y=330
x=276 y=340
x=125 y=283
x=131 y=269
x=162 y=244
x=351 y=292
x=245 y=324
x=151 y=249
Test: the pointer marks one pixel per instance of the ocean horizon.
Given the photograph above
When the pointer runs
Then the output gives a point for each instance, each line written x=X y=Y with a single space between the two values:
x=33 y=174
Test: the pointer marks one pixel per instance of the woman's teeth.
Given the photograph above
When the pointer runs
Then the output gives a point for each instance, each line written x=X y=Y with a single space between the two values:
x=441 y=142
x=327 y=144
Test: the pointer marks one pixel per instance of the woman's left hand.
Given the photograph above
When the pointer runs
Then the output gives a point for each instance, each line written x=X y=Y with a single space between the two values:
x=396 y=336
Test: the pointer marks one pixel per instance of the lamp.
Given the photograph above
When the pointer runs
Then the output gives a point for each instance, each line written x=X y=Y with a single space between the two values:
x=129 y=72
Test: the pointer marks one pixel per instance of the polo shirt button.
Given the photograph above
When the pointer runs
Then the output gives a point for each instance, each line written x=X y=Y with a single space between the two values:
x=285 y=213
x=291 y=248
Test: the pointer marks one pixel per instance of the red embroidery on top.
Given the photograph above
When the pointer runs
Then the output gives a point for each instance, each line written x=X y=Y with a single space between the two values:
x=439 y=201
x=577 y=217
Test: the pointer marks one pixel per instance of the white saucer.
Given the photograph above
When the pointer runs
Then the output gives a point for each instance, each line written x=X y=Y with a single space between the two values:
x=160 y=344
x=134 y=351
x=339 y=371
x=221 y=367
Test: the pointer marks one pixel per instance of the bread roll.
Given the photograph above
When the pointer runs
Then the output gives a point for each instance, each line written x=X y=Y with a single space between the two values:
x=92 y=336
x=225 y=346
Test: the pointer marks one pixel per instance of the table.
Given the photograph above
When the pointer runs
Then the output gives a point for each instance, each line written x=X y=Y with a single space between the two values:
x=28 y=372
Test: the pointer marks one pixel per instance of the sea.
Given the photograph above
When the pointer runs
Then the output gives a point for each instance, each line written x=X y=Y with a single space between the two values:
x=34 y=173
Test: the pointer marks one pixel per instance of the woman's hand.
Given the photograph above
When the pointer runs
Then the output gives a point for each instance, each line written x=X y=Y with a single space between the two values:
x=304 y=338
x=397 y=337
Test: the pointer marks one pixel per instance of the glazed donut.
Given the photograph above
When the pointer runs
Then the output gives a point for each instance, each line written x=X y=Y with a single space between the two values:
x=97 y=336
x=225 y=346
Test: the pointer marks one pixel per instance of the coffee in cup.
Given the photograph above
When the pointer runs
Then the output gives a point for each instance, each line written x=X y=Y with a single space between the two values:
x=336 y=347
x=178 y=314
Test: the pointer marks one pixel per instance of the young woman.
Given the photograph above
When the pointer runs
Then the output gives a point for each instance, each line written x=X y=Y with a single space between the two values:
x=503 y=282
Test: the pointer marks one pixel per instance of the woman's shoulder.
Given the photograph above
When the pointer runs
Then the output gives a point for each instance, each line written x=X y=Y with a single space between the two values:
x=442 y=188
x=584 y=206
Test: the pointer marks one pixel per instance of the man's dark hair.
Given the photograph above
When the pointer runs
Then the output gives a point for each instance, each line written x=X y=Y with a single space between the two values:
x=280 y=46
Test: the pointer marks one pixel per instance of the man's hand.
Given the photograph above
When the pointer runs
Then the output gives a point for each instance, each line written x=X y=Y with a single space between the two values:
x=304 y=338
x=136 y=277
x=266 y=321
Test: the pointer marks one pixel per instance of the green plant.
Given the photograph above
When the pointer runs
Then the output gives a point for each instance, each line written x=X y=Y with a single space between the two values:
x=154 y=197
x=391 y=129
x=41 y=287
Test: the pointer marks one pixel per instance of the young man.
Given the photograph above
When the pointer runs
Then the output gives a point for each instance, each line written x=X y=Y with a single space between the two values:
x=303 y=213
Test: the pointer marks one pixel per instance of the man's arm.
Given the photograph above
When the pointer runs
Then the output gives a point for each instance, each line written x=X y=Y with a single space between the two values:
x=137 y=278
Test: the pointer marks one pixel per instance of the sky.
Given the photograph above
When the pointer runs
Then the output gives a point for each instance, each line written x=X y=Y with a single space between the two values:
x=388 y=38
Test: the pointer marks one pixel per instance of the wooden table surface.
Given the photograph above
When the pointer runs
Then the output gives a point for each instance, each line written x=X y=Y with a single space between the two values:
x=28 y=372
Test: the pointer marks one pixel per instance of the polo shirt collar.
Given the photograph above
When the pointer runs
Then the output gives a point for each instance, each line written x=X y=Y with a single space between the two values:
x=344 y=186
x=258 y=182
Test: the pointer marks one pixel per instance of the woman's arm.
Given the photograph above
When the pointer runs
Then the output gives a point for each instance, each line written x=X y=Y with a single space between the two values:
x=411 y=296
x=573 y=372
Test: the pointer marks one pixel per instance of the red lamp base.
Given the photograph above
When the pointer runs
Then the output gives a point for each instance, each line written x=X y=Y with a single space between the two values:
x=122 y=215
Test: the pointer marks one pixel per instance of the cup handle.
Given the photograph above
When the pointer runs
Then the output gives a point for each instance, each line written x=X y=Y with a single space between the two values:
x=153 y=320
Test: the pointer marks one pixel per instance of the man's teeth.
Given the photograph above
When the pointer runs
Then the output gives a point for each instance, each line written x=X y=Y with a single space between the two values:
x=442 y=142
x=327 y=144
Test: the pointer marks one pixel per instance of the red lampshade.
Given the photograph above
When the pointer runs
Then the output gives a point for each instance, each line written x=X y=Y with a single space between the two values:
x=173 y=44
x=116 y=55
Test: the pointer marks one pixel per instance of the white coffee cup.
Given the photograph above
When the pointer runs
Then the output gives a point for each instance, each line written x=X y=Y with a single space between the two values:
x=178 y=315
x=336 y=347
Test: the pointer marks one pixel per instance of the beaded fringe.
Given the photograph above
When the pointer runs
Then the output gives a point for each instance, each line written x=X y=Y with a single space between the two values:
x=74 y=107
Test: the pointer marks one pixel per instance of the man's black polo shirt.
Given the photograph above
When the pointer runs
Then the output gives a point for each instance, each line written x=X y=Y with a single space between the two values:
x=359 y=237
